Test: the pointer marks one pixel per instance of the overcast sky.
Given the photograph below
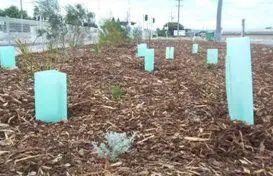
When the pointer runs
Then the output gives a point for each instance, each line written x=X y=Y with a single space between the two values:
x=196 y=14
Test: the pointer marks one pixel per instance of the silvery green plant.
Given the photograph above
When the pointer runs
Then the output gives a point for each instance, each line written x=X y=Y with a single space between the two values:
x=117 y=144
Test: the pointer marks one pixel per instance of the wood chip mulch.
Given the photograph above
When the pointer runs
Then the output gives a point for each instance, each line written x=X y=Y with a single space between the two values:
x=179 y=112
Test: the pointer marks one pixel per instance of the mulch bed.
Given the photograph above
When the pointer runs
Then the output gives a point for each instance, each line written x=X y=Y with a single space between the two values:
x=179 y=112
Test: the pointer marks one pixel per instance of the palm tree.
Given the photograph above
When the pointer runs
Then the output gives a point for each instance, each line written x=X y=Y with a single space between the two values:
x=219 y=21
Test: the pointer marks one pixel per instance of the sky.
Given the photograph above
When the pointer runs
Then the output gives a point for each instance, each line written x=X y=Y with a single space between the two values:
x=195 y=14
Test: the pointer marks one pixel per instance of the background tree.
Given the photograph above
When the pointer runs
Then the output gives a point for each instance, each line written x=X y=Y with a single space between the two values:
x=2 y=13
x=161 y=32
x=173 y=26
x=123 y=27
x=13 y=12
x=137 y=34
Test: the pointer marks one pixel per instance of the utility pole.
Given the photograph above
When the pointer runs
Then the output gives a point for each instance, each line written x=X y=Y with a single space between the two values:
x=178 y=17
x=21 y=5
x=128 y=12
x=171 y=16
x=98 y=16
x=243 y=28
x=219 y=21
x=171 y=20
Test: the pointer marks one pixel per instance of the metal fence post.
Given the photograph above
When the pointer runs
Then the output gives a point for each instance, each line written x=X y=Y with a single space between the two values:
x=8 y=30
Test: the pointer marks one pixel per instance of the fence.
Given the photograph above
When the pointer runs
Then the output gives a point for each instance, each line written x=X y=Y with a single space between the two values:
x=26 y=31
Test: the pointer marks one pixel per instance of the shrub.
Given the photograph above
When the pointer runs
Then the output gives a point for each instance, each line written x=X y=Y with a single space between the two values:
x=97 y=49
x=23 y=48
x=117 y=144
x=110 y=34
x=28 y=65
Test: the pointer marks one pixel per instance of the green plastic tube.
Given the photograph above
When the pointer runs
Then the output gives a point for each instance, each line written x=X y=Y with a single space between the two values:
x=141 y=49
x=169 y=53
x=50 y=91
x=212 y=56
x=194 y=48
x=149 y=60
x=239 y=80
x=7 y=56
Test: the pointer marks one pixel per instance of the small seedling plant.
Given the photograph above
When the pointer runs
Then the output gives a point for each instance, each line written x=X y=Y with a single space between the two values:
x=116 y=92
x=116 y=144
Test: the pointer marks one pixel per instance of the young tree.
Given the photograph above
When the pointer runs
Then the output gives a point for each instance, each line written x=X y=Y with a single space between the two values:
x=90 y=20
x=48 y=8
x=57 y=29
x=137 y=34
x=77 y=17
x=110 y=34
x=36 y=13
x=123 y=27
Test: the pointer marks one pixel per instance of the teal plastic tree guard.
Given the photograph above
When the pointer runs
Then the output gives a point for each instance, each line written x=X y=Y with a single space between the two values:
x=239 y=80
x=50 y=91
x=149 y=60
x=194 y=48
x=169 y=52
x=141 y=49
x=228 y=86
x=7 y=56
x=212 y=56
